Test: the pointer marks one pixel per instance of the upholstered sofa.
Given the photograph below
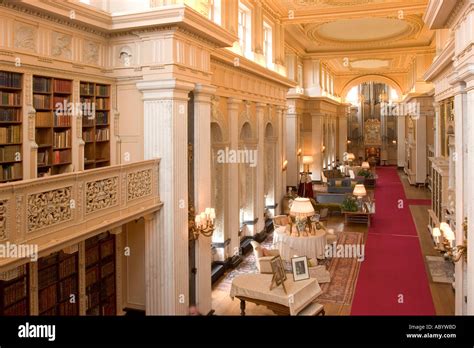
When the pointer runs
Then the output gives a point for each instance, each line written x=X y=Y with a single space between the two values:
x=340 y=186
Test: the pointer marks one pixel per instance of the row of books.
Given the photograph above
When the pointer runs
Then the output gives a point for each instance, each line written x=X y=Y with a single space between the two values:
x=102 y=134
x=92 y=255
x=14 y=292
x=107 y=269
x=19 y=308
x=86 y=88
x=43 y=119
x=67 y=287
x=67 y=308
x=47 y=277
x=41 y=101
x=62 y=120
x=10 y=79
x=41 y=84
x=60 y=157
x=10 y=115
x=88 y=136
x=63 y=101
x=62 y=86
x=102 y=91
x=101 y=103
x=43 y=158
x=107 y=248
x=10 y=98
x=10 y=134
x=92 y=276
x=102 y=117
x=67 y=267
x=47 y=297
x=11 y=172
x=10 y=153
x=62 y=139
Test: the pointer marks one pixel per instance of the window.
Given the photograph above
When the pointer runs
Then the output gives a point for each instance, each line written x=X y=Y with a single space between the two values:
x=215 y=11
x=245 y=38
x=268 y=44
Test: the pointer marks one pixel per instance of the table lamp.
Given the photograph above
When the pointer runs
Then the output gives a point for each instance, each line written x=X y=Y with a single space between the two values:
x=365 y=165
x=350 y=157
x=359 y=192
x=300 y=209
x=307 y=160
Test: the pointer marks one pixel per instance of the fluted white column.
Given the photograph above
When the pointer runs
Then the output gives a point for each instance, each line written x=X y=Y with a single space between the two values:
x=342 y=136
x=316 y=145
x=469 y=193
x=165 y=136
x=202 y=190
x=233 y=223
x=292 y=134
x=280 y=176
x=153 y=258
x=259 y=207
x=401 y=141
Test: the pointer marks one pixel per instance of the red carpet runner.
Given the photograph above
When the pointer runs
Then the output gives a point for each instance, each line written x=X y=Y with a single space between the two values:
x=392 y=278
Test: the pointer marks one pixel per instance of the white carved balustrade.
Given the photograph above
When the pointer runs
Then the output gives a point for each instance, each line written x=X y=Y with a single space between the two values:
x=57 y=211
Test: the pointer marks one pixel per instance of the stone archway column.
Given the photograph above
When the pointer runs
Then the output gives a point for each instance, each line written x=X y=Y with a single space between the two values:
x=165 y=136
x=202 y=190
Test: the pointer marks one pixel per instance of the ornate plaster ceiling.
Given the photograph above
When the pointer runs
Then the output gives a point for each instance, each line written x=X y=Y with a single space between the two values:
x=360 y=29
x=370 y=63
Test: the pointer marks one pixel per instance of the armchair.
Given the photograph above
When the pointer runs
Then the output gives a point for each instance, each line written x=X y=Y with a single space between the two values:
x=262 y=258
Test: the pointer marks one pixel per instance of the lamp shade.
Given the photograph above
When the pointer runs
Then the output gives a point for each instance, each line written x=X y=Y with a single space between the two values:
x=447 y=231
x=365 y=165
x=301 y=207
x=351 y=156
x=436 y=232
x=307 y=159
x=359 y=190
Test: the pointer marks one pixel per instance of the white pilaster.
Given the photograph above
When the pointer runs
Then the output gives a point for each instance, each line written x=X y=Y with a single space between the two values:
x=280 y=184
x=316 y=145
x=154 y=286
x=233 y=224
x=292 y=134
x=342 y=136
x=202 y=190
x=401 y=141
x=165 y=136
x=260 y=170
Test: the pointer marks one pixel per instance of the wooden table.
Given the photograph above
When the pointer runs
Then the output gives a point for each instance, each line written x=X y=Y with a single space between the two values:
x=357 y=217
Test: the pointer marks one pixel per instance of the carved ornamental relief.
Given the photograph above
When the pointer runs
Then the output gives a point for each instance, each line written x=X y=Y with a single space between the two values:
x=139 y=184
x=101 y=194
x=3 y=219
x=25 y=37
x=61 y=45
x=91 y=52
x=49 y=208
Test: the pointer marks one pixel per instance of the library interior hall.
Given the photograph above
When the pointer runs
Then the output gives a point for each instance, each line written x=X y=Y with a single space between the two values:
x=236 y=157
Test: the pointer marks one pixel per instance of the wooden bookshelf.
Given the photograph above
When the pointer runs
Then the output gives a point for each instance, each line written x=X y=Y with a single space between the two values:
x=14 y=294
x=58 y=279
x=95 y=126
x=11 y=158
x=53 y=124
x=100 y=275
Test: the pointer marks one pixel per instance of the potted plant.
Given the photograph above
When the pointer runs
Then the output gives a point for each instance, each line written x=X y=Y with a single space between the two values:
x=350 y=204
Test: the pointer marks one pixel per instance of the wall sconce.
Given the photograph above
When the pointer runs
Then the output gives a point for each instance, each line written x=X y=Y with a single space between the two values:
x=447 y=245
x=349 y=141
x=394 y=141
x=299 y=152
x=323 y=148
x=202 y=223
x=284 y=166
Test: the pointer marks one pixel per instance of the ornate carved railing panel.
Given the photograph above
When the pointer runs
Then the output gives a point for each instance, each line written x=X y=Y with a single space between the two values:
x=54 y=211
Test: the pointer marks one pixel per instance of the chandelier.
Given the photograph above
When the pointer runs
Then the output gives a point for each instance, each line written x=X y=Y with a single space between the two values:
x=202 y=223
x=447 y=245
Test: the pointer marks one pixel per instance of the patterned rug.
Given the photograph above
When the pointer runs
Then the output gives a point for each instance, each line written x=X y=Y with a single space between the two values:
x=343 y=272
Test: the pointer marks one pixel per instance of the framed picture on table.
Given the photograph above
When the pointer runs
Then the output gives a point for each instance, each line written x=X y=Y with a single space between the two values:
x=300 y=268
x=279 y=275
